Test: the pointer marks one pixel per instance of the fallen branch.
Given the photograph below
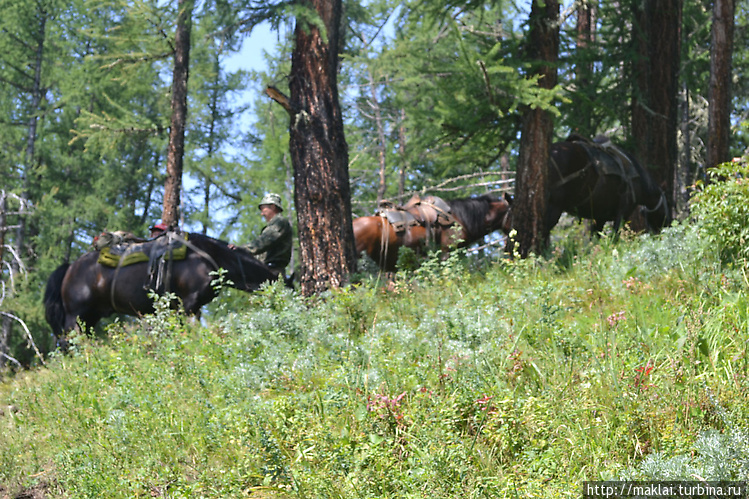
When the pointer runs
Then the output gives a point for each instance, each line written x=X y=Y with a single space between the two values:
x=462 y=187
x=485 y=246
x=28 y=335
x=11 y=359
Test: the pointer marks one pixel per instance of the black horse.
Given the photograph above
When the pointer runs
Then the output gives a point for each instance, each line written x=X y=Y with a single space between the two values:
x=87 y=291
x=597 y=180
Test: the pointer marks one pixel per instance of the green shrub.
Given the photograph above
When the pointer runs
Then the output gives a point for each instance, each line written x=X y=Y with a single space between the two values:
x=521 y=380
x=721 y=208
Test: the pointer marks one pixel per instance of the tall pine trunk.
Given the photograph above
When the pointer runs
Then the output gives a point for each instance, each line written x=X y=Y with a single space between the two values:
x=719 y=93
x=655 y=108
x=531 y=196
x=585 y=34
x=319 y=153
x=175 y=157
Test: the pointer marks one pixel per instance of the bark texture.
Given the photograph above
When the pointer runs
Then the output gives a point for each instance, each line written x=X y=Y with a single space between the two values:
x=657 y=38
x=174 y=162
x=719 y=93
x=319 y=153
x=531 y=193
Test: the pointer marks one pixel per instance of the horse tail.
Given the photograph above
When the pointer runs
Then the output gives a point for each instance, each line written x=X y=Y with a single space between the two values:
x=54 y=308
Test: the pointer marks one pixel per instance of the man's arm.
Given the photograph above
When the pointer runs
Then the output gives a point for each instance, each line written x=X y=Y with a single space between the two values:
x=275 y=230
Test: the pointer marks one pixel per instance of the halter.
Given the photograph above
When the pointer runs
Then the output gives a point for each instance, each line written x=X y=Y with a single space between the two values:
x=661 y=200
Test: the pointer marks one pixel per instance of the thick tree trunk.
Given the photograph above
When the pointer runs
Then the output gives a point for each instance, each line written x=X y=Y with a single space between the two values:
x=719 y=93
x=531 y=194
x=174 y=163
x=657 y=37
x=319 y=154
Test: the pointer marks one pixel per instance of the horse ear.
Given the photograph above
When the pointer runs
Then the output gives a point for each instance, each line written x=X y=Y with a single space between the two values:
x=508 y=198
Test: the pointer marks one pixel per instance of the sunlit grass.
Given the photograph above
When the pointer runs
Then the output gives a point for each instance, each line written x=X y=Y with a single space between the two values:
x=464 y=379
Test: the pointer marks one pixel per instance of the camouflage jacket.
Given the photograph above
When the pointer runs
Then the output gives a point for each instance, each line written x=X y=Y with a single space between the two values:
x=273 y=245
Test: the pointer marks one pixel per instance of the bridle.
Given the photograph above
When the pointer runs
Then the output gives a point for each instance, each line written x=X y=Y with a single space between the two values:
x=661 y=200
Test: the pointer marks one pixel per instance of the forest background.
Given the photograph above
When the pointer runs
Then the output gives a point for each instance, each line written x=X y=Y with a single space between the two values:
x=432 y=94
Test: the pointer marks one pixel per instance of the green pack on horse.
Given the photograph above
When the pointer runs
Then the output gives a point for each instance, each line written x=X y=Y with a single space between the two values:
x=119 y=278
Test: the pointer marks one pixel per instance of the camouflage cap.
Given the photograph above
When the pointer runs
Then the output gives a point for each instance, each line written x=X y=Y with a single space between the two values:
x=273 y=199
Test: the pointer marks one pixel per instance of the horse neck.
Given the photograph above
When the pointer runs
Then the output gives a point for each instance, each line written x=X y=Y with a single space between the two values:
x=472 y=214
x=241 y=269
x=652 y=195
x=649 y=194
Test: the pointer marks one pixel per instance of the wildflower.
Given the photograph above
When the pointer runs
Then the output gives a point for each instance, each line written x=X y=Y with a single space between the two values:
x=615 y=318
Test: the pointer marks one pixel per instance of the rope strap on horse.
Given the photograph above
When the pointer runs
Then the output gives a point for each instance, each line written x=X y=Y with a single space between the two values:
x=661 y=200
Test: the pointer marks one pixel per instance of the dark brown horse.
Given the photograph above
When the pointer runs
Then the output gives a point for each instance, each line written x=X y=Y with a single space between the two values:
x=88 y=291
x=599 y=181
x=473 y=219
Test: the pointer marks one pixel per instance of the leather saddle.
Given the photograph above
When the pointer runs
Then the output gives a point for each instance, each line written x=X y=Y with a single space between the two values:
x=428 y=211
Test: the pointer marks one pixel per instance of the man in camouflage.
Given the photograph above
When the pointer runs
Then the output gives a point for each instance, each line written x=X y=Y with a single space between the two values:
x=273 y=245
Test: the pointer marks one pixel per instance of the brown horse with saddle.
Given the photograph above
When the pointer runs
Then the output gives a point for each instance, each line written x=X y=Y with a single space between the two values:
x=597 y=180
x=446 y=223
x=122 y=273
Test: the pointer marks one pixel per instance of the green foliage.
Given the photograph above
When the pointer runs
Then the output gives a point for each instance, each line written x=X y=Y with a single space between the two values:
x=524 y=379
x=721 y=208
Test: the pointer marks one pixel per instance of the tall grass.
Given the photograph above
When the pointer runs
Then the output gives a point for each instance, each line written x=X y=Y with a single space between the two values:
x=464 y=379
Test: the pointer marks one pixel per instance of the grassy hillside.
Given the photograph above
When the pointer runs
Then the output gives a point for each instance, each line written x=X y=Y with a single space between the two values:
x=467 y=379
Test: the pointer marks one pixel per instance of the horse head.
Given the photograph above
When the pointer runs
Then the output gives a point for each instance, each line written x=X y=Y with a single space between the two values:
x=506 y=222
x=498 y=216
x=657 y=214
x=652 y=200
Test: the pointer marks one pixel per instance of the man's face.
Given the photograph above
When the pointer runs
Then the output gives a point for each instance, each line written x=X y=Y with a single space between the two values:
x=268 y=211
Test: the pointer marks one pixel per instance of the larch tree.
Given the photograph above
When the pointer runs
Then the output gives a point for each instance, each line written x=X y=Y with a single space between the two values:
x=25 y=36
x=657 y=40
x=176 y=151
x=535 y=143
x=319 y=153
x=719 y=91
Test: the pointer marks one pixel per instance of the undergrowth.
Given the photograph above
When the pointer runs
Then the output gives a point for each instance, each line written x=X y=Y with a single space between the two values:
x=460 y=379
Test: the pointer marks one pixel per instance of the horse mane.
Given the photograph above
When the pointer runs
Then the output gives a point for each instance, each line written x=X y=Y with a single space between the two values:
x=471 y=213
x=226 y=257
x=219 y=250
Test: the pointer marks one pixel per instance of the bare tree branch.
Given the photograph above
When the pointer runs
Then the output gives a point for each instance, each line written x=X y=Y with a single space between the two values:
x=282 y=99
x=28 y=335
x=11 y=359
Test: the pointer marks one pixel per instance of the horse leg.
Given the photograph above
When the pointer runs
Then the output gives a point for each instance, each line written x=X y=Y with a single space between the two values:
x=553 y=214
x=194 y=288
